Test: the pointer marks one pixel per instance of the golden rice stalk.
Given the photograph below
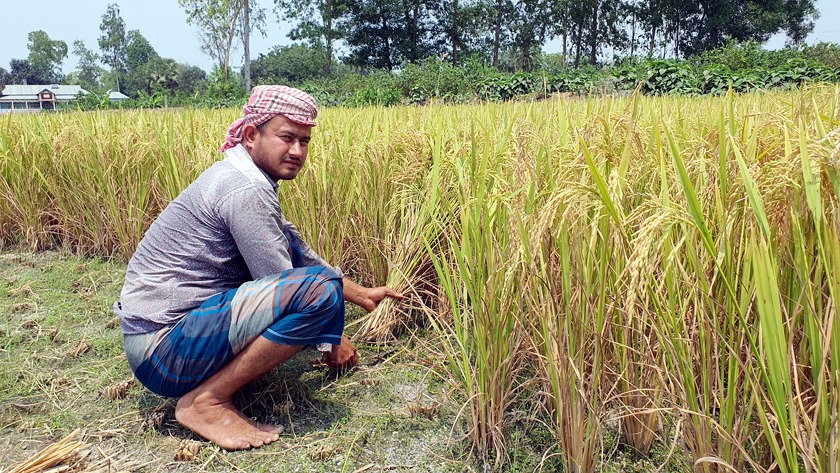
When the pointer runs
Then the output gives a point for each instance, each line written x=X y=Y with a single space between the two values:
x=63 y=452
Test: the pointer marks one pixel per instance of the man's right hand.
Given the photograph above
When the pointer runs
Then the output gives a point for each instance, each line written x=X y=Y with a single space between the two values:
x=342 y=356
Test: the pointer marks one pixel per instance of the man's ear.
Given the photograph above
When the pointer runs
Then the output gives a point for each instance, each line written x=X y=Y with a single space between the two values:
x=249 y=134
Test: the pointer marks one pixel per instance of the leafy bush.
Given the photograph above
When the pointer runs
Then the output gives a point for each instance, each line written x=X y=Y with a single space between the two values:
x=435 y=78
x=221 y=92
x=746 y=55
x=827 y=54
x=354 y=88
x=581 y=81
x=376 y=96
x=552 y=63
x=291 y=64
x=628 y=74
x=93 y=100
x=507 y=86
x=668 y=76
x=432 y=78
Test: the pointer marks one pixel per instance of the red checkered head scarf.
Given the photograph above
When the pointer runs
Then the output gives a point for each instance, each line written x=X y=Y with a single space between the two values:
x=268 y=101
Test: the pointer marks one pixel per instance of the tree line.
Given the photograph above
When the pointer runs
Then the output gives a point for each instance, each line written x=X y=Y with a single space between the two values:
x=388 y=35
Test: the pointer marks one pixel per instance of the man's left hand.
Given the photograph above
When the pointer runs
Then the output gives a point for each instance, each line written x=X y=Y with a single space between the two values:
x=373 y=296
x=366 y=297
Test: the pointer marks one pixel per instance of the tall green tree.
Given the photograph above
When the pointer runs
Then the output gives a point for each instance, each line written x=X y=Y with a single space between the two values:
x=138 y=54
x=530 y=24
x=689 y=27
x=387 y=33
x=5 y=78
x=373 y=33
x=138 y=51
x=497 y=14
x=607 y=27
x=708 y=24
x=418 y=22
x=88 y=72
x=800 y=16
x=464 y=28
x=318 y=22
x=220 y=26
x=451 y=17
x=46 y=55
x=22 y=72
x=113 y=41
x=161 y=75
x=651 y=22
x=191 y=79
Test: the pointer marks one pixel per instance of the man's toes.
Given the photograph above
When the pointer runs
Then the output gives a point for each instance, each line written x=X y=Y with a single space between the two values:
x=261 y=440
x=267 y=438
x=238 y=444
x=271 y=428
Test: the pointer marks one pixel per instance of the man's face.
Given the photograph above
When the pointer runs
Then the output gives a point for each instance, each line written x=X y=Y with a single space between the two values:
x=280 y=148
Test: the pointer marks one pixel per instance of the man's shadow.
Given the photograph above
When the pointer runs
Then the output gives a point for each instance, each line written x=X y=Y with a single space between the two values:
x=289 y=395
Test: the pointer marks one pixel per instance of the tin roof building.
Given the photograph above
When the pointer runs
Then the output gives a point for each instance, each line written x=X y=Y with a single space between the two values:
x=33 y=98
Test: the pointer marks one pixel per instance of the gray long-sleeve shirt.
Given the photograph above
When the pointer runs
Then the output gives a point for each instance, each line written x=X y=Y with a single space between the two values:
x=225 y=229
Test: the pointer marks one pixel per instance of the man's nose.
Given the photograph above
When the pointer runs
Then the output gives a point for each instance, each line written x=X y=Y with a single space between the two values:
x=296 y=149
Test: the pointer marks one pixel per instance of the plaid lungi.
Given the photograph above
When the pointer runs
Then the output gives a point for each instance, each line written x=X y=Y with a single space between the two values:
x=301 y=306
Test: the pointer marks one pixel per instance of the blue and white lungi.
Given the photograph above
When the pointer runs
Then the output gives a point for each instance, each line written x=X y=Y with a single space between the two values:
x=299 y=307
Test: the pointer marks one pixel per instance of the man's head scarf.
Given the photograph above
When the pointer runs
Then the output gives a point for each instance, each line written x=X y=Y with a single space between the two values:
x=268 y=101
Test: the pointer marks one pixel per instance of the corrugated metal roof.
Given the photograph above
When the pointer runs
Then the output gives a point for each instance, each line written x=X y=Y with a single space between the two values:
x=64 y=92
x=116 y=95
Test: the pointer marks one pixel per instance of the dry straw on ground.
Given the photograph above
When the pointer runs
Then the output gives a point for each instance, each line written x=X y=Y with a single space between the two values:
x=72 y=454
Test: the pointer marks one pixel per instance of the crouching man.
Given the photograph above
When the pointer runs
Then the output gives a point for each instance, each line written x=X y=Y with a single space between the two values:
x=222 y=288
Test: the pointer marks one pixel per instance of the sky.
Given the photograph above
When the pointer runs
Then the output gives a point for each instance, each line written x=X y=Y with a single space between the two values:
x=164 y=24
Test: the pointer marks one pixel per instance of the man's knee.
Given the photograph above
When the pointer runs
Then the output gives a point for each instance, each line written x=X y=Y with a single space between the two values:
x=325 y=292
x=329 y=273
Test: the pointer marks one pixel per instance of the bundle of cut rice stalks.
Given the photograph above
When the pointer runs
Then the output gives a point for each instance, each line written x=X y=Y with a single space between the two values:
x=418 y=220
x=410 y=272
x=60 y=456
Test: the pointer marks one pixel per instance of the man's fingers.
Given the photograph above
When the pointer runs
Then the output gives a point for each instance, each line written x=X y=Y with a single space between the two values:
x=393 y=293
x=387 y=292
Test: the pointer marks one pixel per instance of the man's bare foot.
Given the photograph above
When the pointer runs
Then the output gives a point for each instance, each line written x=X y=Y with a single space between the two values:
x=220 y=422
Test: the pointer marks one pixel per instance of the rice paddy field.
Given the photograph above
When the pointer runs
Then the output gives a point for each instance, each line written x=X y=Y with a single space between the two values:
x=655 y=275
